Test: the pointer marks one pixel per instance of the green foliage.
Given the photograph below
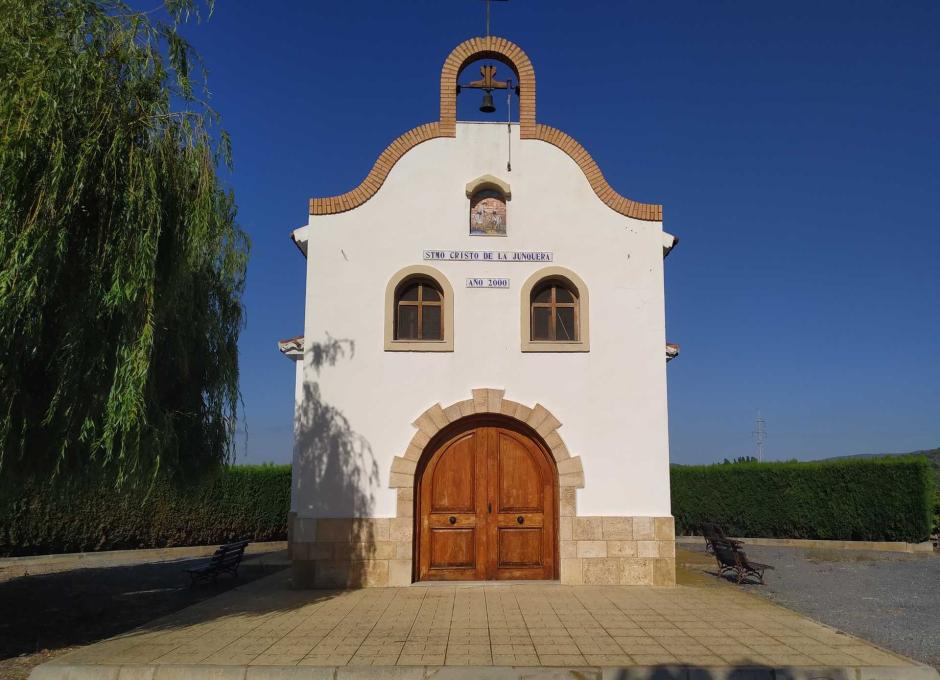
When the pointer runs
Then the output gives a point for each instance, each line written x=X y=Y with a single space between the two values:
x=121 y=265
x=67 y=516
x=874 y=499
x=936 y=512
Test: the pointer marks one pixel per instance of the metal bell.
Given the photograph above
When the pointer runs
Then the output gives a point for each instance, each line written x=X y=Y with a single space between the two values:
x=487 y=105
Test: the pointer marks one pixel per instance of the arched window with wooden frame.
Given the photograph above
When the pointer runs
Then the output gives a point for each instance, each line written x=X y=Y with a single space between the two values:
x=554 y=312
x=419 y=311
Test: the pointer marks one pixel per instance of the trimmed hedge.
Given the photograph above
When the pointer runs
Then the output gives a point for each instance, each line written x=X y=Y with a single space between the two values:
x=232 y=503
x=870 y=499
x=876 y=499
x=936 y=513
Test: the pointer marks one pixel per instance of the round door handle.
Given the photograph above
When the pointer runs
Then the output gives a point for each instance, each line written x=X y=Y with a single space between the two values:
x=520 y=519
x=452 y=519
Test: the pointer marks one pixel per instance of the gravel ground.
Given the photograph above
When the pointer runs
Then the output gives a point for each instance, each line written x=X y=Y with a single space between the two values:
x=892 y=599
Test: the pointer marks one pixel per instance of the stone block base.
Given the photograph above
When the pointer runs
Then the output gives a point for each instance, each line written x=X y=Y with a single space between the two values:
x=350 y=574
x=636 y=551
x=349 y=553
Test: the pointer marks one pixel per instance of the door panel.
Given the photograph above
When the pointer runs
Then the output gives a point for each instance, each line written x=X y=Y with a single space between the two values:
x=453 y=548
x=519 y=547
x=453 y=527
x=452 y=485
x=486 y=508
x=522 y=484
x=519 y=485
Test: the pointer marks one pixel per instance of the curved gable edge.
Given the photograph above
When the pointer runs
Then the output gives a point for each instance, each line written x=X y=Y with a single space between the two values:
x=641 y=211
x=393 y=153
x=368 y=187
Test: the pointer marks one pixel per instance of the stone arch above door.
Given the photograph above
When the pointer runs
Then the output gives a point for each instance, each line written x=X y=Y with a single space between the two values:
x=483 y=401
x=486 y=503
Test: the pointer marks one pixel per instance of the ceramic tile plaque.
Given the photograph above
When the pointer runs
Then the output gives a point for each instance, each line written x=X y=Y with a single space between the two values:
x=487 y=282
x=488 y=214
x=488 y=255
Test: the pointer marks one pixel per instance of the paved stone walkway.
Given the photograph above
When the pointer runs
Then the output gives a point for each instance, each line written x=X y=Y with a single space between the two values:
x=267 y=624
x=274 y=552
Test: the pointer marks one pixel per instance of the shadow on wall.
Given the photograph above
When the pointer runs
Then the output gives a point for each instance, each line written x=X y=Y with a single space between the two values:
x=335 y=472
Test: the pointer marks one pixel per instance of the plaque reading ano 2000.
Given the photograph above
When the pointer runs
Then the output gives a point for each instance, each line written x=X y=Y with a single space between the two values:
x=487 y=282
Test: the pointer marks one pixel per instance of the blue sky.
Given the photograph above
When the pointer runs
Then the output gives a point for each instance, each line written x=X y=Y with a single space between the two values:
x=795 y=147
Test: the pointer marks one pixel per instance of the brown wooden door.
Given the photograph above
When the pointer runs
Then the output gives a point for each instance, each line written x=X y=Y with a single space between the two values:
x=486 y=508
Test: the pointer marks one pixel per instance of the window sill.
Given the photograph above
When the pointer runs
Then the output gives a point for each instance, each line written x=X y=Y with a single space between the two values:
x=550 y=346
x=446 y=345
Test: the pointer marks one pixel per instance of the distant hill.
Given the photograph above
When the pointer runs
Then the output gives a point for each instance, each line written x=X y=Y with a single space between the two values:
x=932 y=454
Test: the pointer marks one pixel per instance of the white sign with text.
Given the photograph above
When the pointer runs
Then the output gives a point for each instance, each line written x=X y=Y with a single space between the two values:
x=488 y=255
x=485 y=282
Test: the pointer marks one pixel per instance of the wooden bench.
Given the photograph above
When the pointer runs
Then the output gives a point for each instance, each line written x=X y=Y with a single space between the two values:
x=732 y=559
x=225 y=560
x=715 y=534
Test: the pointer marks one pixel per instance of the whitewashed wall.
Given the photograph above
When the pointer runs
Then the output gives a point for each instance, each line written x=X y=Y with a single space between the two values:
x=611 y=400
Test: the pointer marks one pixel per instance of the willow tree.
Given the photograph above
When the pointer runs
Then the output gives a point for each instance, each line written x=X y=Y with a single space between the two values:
x=121 y=263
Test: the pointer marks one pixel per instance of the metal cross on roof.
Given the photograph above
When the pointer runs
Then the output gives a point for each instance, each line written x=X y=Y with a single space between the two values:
x=488 y=82
x=488 y=15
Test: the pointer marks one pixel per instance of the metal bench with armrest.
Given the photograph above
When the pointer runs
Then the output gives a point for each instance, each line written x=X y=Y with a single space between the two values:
x=225 y=560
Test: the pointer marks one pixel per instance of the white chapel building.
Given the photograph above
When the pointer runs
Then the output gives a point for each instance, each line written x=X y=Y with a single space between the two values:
x=481 y=381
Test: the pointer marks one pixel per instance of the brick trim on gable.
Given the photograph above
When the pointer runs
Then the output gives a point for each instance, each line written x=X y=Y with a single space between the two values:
x=376 y=177
x=605 y=192
x=498 y=49
x=512 y=55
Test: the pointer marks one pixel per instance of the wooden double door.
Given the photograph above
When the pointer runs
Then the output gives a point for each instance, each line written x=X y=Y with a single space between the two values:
x=486 y=506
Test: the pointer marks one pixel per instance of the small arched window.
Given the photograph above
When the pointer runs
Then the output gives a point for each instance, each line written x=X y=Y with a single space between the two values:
x=419 y=311
x=554 y=306
x=419 y=303
x=554 y=310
